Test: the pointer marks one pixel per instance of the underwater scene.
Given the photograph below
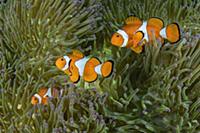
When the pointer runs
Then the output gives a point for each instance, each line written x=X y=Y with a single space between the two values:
x=100 y=66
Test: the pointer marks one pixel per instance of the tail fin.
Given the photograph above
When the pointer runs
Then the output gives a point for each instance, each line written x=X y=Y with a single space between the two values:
x=171 y=33
x=107 y=68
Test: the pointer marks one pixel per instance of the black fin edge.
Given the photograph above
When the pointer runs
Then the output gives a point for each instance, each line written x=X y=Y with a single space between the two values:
x=75 y=82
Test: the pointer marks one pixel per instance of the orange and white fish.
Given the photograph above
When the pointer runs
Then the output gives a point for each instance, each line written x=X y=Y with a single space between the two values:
x=135 y=33
x=76 y=65
x=42 y=96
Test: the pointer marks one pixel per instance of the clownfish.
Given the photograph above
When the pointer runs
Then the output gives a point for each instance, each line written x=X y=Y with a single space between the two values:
x=76 y=65
x=135 y=33
x=42 y=96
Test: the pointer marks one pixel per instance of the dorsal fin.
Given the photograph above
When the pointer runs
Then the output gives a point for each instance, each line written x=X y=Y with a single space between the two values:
x=42 y=91
x=155 y=22
x=133 y=20
x=77 y=53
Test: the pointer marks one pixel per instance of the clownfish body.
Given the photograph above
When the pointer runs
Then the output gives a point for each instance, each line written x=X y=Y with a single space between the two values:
x=135 y=33
x=76 y=65
x=42 y=96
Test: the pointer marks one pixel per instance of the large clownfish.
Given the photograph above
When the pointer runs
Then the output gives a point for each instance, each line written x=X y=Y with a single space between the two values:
x=42 y=96
x=136 y=33
x=76 y=65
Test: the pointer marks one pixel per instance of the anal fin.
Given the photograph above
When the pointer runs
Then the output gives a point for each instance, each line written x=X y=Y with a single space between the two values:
x=137 y=49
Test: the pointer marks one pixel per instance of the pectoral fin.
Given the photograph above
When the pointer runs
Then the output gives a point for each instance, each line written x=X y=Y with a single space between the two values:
x=77 y=53
x=74 y=77
x=137 y=37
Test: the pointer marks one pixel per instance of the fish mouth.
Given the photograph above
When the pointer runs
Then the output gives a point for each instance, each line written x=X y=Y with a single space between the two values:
x=115 y=43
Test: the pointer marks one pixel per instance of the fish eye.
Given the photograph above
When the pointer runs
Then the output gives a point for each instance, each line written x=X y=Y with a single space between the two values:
x=62 y=59
x=117 y=35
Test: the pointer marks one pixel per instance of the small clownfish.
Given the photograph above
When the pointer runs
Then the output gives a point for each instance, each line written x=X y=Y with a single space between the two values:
x=136 y=33
x=42 y=96
x=76 y=65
